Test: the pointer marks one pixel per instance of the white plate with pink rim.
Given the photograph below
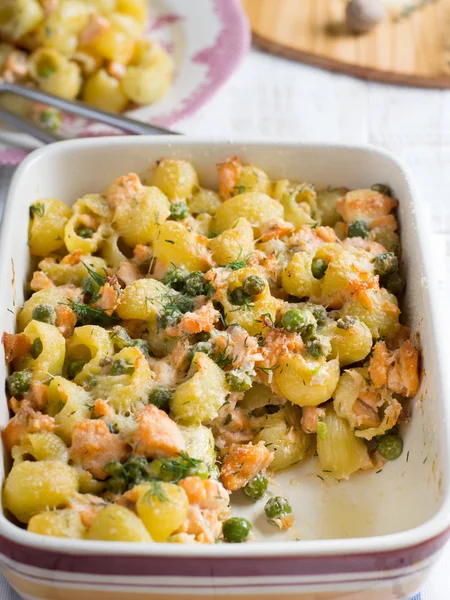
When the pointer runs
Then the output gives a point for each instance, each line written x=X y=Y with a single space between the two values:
x=207 y=40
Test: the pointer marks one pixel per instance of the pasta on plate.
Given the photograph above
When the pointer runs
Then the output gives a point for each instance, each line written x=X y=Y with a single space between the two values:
x=95 y=50
x=180 y=344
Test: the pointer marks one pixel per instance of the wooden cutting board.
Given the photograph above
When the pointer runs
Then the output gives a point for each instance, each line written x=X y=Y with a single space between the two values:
x=413 y=50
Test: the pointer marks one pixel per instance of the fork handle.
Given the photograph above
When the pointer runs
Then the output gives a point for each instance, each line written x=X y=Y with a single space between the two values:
x=83 y=110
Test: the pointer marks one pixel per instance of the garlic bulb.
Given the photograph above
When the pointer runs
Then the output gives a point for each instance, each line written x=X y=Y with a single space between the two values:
x=364 y=15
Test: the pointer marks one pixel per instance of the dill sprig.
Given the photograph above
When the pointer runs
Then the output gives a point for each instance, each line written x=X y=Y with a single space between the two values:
x=239 y=263
x=155 y=490
x=92 y=316
x=224 y=359
x=268 y=370
x=179 y=468
x=37 y=209
x=99 y=279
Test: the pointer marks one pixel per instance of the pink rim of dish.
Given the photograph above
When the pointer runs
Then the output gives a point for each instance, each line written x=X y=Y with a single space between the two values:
x=221 y=60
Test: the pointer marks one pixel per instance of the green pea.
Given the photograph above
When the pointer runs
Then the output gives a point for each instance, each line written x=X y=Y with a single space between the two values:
x=205 y=347
x=319 y=313
x=385 y=263
x=175 y=278
x=179 y=211
x=176 y=469
x=160 y=396
x=44 y=313
x=315 y=348
x=114 y=468
x=196 y=284
x=299 y=321
x=136 y=470
x=74 y=367
x=345 y=322
x=390 y=446
x=86 y=232
x=358 y=229
x=121 y=367
x=239 y=297
x=201 y=470
x=318 y=268
x=253 y=285
x=236 y=530
x=257 y=487
x=19 y=382
x=394 y=283
x=239 y=381
x=382 y=189
x=117 y=480
x=154 y=469
x=36 y=347
x=277 y=508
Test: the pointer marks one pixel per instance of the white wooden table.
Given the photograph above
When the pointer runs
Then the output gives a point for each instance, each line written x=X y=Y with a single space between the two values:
x=270 y=97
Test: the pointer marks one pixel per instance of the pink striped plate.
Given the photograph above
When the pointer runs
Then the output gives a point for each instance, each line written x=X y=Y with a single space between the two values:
x=207 y=39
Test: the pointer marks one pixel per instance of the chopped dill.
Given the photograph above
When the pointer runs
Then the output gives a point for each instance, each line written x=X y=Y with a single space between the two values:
x=99 y=279
x=267 y=370
x=155 y=490
x=239 y=263
x=179 y=468
x=37 y=209
x=92 y=316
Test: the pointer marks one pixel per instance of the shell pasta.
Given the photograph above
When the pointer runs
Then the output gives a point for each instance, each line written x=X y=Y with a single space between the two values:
x=95 y=51
x=180 y=344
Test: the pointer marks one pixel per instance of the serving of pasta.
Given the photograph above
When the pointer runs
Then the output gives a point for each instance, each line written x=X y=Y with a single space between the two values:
x=95 y=50
x=182 y=344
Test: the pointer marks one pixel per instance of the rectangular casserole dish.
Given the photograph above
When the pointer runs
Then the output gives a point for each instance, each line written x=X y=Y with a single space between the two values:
x=374 y=537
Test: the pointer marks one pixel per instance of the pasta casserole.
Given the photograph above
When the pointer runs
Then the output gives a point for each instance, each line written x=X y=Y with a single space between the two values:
x=181 y=344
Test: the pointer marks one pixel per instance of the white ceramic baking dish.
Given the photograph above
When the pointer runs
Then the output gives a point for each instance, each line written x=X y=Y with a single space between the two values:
x=374 y=537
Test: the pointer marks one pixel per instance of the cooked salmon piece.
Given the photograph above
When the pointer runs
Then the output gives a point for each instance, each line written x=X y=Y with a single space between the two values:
x=66 y=319
x=16 y=345
x=398 y=369
x=228 y=173
x=40 y=281
x=242 y=463
x=364 y=204
x=25 y=421
x=202 y=319
x=94 y=446
x=72 y=259
x=157 y=436
x=109 y=295
x=275 y=228
x=128 y=272
x=310 y=418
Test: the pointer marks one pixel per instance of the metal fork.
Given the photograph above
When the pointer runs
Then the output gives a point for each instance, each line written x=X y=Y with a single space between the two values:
x=77 y=108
